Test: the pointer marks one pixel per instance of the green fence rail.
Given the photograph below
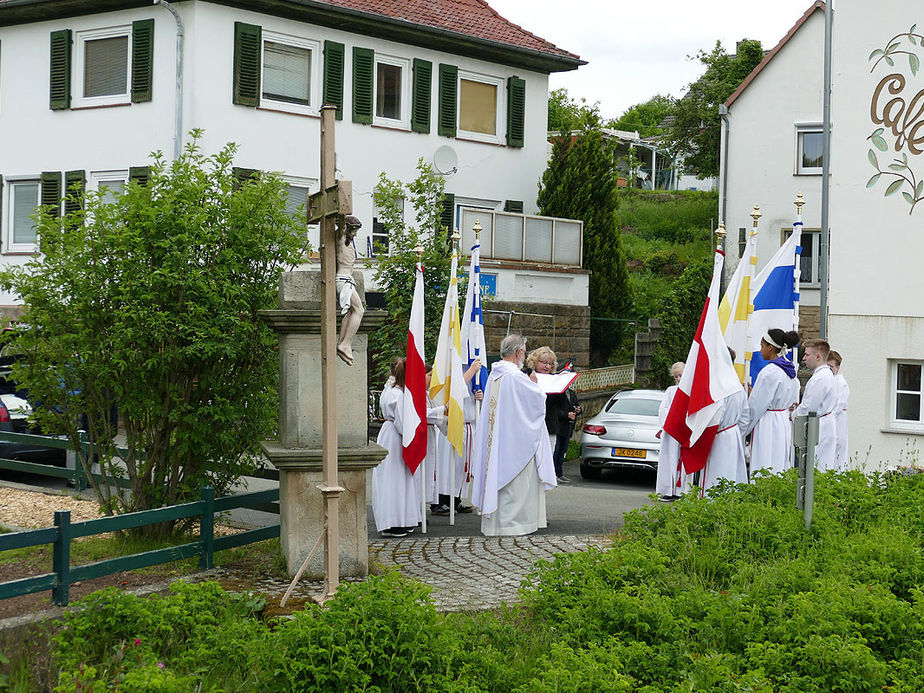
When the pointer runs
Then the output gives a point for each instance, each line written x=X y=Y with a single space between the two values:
x=63 y=575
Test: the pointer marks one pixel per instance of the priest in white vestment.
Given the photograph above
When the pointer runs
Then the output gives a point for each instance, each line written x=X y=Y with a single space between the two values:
x=820 y=396
x=512 y=465
x=841 y=454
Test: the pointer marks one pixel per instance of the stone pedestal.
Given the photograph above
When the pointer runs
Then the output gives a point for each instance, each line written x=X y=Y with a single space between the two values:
x=297 y=452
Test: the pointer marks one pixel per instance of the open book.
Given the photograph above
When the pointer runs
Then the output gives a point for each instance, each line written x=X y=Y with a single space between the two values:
x=555 y=384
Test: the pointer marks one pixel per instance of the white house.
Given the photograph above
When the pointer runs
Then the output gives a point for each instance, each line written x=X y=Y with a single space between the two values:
x=875 y=312
x=771 y=151
x=89 y=88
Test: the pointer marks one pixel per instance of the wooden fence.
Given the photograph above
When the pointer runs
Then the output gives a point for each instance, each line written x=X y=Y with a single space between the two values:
x=63 y=575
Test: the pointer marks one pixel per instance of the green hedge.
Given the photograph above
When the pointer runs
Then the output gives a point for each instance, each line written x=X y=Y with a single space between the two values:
x=728 y=593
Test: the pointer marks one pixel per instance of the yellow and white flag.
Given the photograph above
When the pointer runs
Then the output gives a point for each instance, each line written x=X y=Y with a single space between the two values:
x=736 y=308
x=447 y=384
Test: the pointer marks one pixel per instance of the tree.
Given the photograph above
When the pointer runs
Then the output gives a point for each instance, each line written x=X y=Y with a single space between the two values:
x=679 y=314
x=580 y=183
x=695 y=131
x=566 y=114
x=645 y=118
x=150 y=302
x=394 y=272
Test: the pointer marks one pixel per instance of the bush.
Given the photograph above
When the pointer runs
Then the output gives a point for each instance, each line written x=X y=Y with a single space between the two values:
x=675 y=216
x=726 y=593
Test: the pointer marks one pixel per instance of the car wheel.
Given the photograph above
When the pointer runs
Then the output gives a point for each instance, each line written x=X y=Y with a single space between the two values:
x=588 y=472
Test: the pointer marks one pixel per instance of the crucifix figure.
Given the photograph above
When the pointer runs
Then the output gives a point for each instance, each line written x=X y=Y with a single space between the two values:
x=348 y=298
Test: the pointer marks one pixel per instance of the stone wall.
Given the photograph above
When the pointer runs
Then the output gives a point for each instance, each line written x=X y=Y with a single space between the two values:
x=567 y=331
x=809 y=322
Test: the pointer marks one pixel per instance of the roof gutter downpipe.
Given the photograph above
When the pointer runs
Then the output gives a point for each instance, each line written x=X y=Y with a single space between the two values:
x=178 y=98
x=723 y=207
x=825 y=178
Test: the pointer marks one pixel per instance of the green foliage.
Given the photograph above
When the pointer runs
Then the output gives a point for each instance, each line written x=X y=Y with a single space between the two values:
x=694 y=133
x=678 y=217
x=679 y=313
x=150 y=302
x=645 y=117
x=580 y=183
x=566 y=114
x=395 y=272
x=726 y=593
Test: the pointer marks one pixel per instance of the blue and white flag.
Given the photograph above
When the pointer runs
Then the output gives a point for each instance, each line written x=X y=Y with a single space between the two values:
x=776 y=296
x=473 y=323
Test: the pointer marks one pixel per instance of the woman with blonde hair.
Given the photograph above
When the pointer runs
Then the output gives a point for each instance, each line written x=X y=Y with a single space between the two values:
x=557 y=406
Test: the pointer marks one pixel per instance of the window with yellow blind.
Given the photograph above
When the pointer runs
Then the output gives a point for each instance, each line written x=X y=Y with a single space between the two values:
x=479 y=107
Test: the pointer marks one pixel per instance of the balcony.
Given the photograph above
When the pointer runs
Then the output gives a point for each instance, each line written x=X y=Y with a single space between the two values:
x=524 y=238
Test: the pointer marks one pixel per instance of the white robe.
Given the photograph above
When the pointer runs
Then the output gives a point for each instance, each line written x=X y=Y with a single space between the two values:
x=512 y=463
x=453 y=471
x=395 y=492
x=726 y=457
x=841 y=452
x=669 y=467
x=436 y=443
x=820 y=396
x=767 y=420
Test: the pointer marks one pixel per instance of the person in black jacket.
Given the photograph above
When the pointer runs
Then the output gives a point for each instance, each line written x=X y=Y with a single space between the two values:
x=557 y=407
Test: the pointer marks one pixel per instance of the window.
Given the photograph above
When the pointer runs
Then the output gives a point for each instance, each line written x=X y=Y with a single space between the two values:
x=109 y=184
x=907 y=394
x=102 y=66
x=809 y=143
x=21 y=232
x=391 y=88
x=808 y=260
x=379 y=235
x=479 y=107
x=289 y=77
x=297 y=203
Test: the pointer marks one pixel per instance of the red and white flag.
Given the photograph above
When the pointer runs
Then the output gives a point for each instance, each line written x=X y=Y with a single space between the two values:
x=709 y=377
x=414 y=423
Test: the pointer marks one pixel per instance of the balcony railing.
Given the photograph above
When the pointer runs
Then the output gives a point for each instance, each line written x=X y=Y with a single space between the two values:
x=523 y=237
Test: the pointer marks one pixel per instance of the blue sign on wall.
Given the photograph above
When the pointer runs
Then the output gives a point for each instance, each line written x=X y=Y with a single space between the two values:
x=488 y=284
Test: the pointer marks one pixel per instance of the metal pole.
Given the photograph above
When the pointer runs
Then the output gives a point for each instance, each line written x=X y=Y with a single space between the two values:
x=329 y=488
x=809 y=496
x=825 y=178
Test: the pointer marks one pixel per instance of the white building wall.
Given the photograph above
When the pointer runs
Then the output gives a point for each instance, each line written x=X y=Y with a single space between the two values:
x=762 y=148
x=116 y=138
x=876 y=312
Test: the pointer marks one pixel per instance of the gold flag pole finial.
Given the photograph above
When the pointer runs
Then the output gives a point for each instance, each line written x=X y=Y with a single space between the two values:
x=477 y=229
x=455 y=238
x=800 y=202
x=755 y=215
x=419 y=250
x=720 y=232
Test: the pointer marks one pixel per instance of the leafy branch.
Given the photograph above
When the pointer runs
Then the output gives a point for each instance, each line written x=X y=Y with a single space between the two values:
x=891 y=49
x=898 y=169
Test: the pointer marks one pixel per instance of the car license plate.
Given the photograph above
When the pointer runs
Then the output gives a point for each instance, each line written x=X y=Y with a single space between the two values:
x=628 y=452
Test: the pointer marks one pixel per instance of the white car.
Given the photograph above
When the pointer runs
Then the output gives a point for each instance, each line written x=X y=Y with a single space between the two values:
x=623 y=435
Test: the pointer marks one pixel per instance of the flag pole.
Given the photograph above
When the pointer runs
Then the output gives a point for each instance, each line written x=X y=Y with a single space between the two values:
x=797 y=266
x=452 y=477
x=752 y=257
x=423 y=465
x=477 y=377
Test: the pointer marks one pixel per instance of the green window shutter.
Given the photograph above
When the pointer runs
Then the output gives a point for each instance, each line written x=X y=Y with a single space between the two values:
x=51 y=192
x=75 y=184
x=59 y=84
x=139 y=174
x=449 y=90
x=516 y=110
x=333 y=75
x=142 y=59
x=1 y=210
x=420 y=104
x=248 y=46
x=448 y=215
x=363 y=71
x=515 y=206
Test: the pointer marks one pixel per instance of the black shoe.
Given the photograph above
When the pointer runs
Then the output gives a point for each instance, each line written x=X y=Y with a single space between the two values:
x=440 y=510
x=460 y=508
x=564 y=480
x=394 y=532
x=668 y=499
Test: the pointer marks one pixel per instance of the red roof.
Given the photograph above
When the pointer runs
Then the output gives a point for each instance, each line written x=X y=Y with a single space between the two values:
x=473 y=18
x=817 y=5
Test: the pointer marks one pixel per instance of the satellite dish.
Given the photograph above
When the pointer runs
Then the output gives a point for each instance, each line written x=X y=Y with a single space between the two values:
x=445 y=160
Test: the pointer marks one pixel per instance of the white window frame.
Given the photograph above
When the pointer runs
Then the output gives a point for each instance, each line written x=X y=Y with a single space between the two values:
x=802 y=129
x=816 y=257
x=8 y=245
x=312 y=185
x=404 y=122
x=499 y=112
x=374 y=236
x=80 y=41
x=314 y=72
x=904 y=424
x=104 y=178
